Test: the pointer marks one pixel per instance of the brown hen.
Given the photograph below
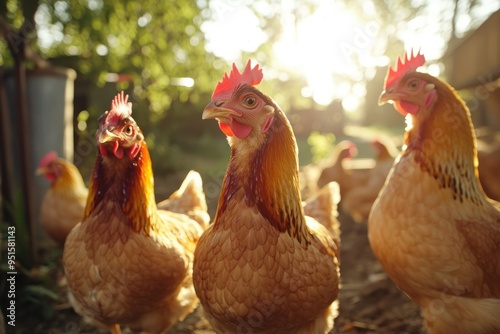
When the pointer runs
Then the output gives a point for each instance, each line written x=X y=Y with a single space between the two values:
x=263 y=266
x=64 y=202
x=127 y=262
x=432 y=227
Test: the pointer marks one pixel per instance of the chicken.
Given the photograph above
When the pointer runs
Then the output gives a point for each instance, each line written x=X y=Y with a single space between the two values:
x=189 y=199
x=308 y=178
x=127 y=262
x=337 y=172
x=385 y=150
x=322 y=206
x=328 y=168
x=432 y=227
x=359 y=200
x=64 y=202
x=489 y=164
x=263 y=266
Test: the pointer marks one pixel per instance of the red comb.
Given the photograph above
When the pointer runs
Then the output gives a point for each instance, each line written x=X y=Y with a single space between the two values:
x=407 y=65
x=120 y=108
x=47 y=159
x=250 y=76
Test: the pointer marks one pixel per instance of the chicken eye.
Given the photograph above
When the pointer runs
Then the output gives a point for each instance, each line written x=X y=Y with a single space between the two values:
x=413 y=84
x=250 y=101
x=128 y=130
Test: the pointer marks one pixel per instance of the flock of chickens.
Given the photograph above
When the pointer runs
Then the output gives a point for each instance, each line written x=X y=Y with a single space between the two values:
x=269 y=262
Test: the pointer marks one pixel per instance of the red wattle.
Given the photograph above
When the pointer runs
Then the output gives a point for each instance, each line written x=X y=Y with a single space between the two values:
x=103 y=150
x=235 y=129
x=240 y=130
x=408 y=107
x=226 y=129
x=117 y=150
x=133 y=151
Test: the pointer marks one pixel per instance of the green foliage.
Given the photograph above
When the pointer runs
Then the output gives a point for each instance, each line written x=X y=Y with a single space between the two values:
x=34 y=287
x=35 y=291
x=152 y=42
x=24 y=255
x=155 y=51
x=321 y=145
x=37 y=299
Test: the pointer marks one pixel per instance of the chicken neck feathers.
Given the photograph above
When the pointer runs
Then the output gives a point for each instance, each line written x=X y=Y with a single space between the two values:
x=273 y=186
x=127 y=184
x=449 y=156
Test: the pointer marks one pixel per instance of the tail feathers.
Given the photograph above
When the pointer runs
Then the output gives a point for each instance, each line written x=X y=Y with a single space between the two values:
x=189 y=199
x=461 y=315
x=323 y=207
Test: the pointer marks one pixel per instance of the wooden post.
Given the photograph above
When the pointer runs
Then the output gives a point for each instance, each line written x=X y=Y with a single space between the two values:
x=16 y=42
x=6 y=163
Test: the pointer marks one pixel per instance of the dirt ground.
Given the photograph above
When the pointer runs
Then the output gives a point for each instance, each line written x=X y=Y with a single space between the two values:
x=369 y=301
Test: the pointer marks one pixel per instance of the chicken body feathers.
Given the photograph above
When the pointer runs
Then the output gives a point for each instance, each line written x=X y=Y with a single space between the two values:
x=255 y=272
x=108 y=264
x=443 y=255
x=59 y=213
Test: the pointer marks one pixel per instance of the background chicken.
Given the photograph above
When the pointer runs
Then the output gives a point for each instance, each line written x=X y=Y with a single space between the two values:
x=488 y=155
x=128 y=262
x=359 y=199
x=335 y=169
x=329 y=169
x=349 y=174
x=308 y=179
x=432 y=228
x=262 y=258
x=189 y=199
x=64 y=202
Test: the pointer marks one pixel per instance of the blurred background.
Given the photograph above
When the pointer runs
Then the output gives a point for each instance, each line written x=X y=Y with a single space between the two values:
x=324 y=62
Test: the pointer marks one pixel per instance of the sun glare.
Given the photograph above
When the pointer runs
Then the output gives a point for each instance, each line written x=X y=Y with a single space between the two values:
x=232 y=29
x=319 y=46
x=331 y=47
x=312 y=46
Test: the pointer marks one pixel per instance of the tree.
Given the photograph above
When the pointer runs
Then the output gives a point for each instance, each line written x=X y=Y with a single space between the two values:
x=154 y=43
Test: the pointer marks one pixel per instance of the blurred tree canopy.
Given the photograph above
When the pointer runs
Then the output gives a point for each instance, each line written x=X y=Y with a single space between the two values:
x=152 y=49
x=160 y=52
x=154 y=44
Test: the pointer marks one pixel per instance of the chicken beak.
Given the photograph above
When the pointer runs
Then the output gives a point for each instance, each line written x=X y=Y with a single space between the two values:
x=106 y=136
x=388 y=97
x=384 y=98
x=41 y=171
x=212 y=111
